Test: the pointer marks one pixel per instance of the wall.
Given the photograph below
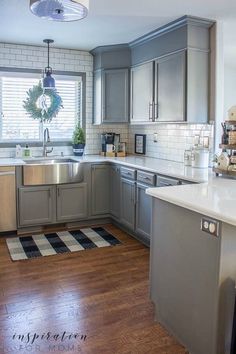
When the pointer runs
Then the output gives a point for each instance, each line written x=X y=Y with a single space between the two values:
x=229 y=89
x=173 y=139
x=35 y=57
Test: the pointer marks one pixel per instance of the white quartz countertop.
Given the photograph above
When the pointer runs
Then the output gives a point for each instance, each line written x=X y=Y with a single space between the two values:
x=216 y=199
x=163 y=167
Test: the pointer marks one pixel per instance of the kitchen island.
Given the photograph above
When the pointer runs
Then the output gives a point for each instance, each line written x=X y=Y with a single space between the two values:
x=193 y=263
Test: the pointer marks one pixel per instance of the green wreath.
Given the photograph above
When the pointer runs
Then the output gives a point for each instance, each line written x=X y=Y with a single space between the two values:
x=31 y=103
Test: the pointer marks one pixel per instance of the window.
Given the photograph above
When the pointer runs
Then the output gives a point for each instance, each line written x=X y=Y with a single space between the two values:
x=17 y=125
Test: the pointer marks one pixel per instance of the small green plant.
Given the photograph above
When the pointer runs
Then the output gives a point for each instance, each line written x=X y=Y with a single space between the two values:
x=78 y=135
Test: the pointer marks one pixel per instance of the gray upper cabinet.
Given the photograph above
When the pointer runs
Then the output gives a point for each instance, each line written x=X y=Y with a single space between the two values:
x=115 y=191
x=127 y=203
x=141 y=100
x=170 y=88
x=100 y=189
x=115 y=96
x=35 y=205
x=72 y=202
x=111 y=96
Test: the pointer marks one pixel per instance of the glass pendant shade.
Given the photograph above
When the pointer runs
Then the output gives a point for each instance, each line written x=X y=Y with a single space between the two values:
x=60 y=10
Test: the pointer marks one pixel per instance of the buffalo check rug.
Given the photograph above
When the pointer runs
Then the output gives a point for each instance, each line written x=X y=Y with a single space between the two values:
x=27 y=247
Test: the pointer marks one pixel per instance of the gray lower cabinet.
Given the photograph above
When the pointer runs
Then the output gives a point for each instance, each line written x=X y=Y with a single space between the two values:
x=115 y=191
x=143 y=212
x=35 y=205
x=100 y=189
x=127 y=205
x=72 y=202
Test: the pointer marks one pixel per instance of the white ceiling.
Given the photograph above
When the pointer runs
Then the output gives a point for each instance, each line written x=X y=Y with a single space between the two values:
x=110 y=22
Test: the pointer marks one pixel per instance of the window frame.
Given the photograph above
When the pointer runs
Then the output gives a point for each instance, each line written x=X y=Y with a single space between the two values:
x=61 y=75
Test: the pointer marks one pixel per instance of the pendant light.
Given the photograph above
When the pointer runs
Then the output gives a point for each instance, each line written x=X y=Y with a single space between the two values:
x=48 y=80
x=60 y=10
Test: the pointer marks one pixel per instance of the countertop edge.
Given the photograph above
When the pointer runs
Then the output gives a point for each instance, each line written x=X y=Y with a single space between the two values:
x=190 y=206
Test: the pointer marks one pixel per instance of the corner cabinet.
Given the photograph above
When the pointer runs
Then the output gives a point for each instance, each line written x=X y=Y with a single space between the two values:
x=111 y=96
x=100 y=189
x=141 y=98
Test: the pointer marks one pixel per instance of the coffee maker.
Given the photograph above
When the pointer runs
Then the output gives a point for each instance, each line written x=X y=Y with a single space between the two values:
x=107 y=138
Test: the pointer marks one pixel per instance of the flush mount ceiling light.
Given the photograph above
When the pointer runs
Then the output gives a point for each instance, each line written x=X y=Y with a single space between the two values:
x=60 y=10
x=48 y=80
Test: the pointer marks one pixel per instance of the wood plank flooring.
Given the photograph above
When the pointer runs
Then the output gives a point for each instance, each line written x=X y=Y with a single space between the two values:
x=101 y=293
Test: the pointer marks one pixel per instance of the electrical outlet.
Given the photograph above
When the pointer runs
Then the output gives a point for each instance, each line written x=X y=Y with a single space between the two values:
x=210 y=226
x=155 y=137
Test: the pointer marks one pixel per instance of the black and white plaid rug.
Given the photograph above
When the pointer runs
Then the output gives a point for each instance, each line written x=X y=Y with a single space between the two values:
x=61 y=242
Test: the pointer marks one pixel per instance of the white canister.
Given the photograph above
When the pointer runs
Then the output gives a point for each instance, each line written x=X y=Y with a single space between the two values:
x=200 y=157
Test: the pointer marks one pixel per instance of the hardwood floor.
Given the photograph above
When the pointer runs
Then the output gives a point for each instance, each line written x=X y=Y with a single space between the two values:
x=101 y=293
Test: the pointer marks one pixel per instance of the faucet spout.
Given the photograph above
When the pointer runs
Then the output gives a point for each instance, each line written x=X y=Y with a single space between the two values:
x=46 y=140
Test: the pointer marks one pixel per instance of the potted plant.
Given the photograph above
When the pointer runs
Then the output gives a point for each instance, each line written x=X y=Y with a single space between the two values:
x=78 y=141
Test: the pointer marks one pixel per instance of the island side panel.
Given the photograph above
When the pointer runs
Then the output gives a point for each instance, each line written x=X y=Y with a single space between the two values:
x=184 y=274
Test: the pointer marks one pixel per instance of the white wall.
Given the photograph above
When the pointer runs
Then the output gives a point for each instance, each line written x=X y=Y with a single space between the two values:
x=229 y=88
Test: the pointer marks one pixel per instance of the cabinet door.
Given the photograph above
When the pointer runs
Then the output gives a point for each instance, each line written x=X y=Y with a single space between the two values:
x=127 y=203
x=142 y=93
x=72 y=202
x=97 y=97
x=170 y=93
x=115 y=96
x=143 y=212
x=100 y=189
x=115 y=191
x=35 y=205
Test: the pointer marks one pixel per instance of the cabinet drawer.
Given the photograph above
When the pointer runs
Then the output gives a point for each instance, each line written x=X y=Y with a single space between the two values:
x=128 y=173
x=146 y=177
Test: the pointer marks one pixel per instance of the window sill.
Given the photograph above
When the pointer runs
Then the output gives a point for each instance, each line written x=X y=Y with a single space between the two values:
x=12 y=144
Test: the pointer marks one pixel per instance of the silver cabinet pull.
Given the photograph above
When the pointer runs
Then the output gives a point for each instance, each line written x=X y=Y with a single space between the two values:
x=156 y=113
x=151 y=111
x=49 y=193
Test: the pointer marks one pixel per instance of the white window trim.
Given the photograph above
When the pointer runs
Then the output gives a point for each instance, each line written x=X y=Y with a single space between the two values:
x=60 y=75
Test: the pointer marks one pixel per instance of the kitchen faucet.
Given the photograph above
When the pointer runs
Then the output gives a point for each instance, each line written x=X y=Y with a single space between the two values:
x=46 y=140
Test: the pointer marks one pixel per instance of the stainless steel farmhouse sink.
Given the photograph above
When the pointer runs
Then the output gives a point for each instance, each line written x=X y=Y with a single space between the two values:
x=51 y=171
x=48 y=161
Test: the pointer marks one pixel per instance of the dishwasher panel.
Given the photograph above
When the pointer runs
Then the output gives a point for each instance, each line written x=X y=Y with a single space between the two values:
x=7 y=199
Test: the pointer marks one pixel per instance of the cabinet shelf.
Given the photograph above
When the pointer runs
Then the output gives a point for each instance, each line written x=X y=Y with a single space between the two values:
x=224 y=172
x=228 y=146
x=231 y=122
